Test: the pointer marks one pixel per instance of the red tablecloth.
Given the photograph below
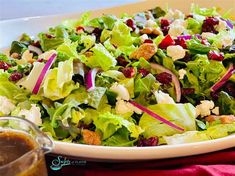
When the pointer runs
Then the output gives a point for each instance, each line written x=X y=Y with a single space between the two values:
x=221 y=163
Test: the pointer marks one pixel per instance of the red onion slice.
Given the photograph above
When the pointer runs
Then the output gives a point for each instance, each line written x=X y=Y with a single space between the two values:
x=151 y=113
x=43 y=73
x=188 y=37
x=229 y=23
x=90 y=79
x=224 y=79
x=35 y=49
x=174 y=79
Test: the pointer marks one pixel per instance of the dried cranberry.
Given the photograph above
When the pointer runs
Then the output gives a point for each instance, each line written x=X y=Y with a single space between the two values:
x=189 y=16
x=36 y=44
x=209 y=25
x=49 y=36
x=97 y=33
x=152 y=141
x=187 y=91
x=129 y=72
x=187 y=57
x=214 y=55
x=230 y=88
x=165 y=26
x=181 y=42
x=15 y=76
x=40 y=60
x=148 y=41
x=164 y=23
x=122 y=61
x=130 y=23
x=164 y=78
x=78 y=28
x=165 y=30
x=143 y=72
x=4 y=65
x=167 y=41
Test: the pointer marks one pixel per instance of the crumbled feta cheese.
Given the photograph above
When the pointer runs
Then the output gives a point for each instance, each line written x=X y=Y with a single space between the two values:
x=33 y=114
x=221 y=26
x=174 y=14
x=182 y=73
x=177 y=28
x=163 y=98
x=206 y=35
x=176 y=52
x=143 y=37
x=226 y=40
x=215 y=110
x=6 y=105
x=121 y=91
x=150 y=23
x=123 y=107
x=204 y=109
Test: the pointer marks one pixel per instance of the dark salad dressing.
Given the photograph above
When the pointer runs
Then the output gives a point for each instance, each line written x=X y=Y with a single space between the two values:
x=14 y=145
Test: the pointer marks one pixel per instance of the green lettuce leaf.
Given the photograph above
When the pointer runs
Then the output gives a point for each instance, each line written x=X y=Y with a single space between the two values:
x=195 y=9
x=187 y=137
x=109 y=123
x=83 y=21
x=68 y=49
x=120 y=138
x=194 y=26
x=180 y=114
x=12 y=91
x=121 y=35
x=203 y=73
x=101 y=58
x=144 y=85
x=59 y=34
x=195 y=47
x=226 y=103
x=58 y=82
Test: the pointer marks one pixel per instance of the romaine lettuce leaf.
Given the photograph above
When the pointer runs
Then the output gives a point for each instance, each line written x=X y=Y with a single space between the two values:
x=58 y=82
x=59 y=34
x=181 y=114
x=121 y=35
x=187 y=137
x=68 y=49
x=101 y=58
x=120 y=138
x=83 y=21
x=144 y=85
x=226 y=103
x=109 y=123
x=195 y=9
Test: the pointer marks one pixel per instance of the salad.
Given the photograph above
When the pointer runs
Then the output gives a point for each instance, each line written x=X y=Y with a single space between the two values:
x=158 y=77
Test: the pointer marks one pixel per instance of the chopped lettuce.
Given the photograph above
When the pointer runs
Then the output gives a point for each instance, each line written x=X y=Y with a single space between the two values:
x=68 y=49
x=144 y=85
x=187 y=137
x=58 y=82
x=194 y=25
x=195 y=47
x=203 y=73
x=71 y=23
x=120 y=138
x=121 y=35
x=101 y=58
x=195 y=9
x=181 y=114
x=226 y=103
x=109 y=123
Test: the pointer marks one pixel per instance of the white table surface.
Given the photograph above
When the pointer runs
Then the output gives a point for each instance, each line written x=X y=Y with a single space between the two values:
x=10 y=9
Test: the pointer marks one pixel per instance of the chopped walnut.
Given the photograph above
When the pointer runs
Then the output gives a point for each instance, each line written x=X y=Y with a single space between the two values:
x=149 y=30
x=146 y=50
x=91 y=137
x=223 y=118
x=15 y=55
